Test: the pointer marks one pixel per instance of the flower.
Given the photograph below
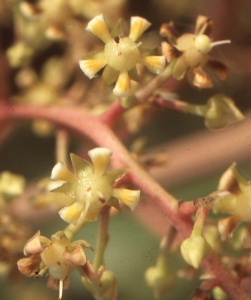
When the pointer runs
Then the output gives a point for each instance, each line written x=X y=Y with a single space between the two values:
x=120 y=56
x=238 y=201
x=59 y=256
x=191 y=52
x=90 y=187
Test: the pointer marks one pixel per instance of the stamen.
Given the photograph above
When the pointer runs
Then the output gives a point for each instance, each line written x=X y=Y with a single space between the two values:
x=136 y=46
x=204 y=27
x=220 y=43
x=60 y=289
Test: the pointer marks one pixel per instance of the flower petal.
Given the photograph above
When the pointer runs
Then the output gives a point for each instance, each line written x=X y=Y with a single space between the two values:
x=201 y=78
x=34 y=245
x=168 y=30
x=232 y=181
x=60 y=172
x=98 y=27
x=123 y=85
x=115 y=175
x=169 y=51
x=91 y=211
x=204 y=25
x=128 y=197
x=81 y=166
x=28 y=266
x=219 y=69
x=66 y=188
x=138 y=26
x=91 y=67
x=76 y=255
x=90 y=273
x=71 y=214
x=155 y=64
x=100 y=158
x=109 y=75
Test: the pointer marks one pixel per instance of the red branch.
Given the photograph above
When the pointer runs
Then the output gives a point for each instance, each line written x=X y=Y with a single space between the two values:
x=91 y=126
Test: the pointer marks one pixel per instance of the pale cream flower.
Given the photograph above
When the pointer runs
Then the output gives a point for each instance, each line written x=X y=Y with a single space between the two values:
x=120 y=56
x=59 y=256
x=91 y=187
x=191 y=52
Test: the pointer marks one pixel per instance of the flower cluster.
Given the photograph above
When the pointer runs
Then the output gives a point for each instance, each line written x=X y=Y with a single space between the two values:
x=90 y=187
x=120 y=56
x=59 y=256
x=191 y=52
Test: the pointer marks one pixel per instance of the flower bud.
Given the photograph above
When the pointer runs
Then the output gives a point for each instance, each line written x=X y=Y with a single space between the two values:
x=105 y=288
x=194 y=249
x=160 y=278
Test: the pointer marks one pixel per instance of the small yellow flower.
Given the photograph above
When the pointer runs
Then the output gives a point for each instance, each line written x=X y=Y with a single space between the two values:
x=120 y=56
x=238 y=201
x=191 y=52
x=91 y=187
x=59 y=256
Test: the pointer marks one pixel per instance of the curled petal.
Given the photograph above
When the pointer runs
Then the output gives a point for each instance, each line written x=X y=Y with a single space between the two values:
x=75 y=255
x=155 y=64
x=100 y=158
x=82 y=167
x=71 y=213
x=83 y=243
x=169 y=51
x=91 y=67
x=36 y=244
x=28 y=266
x=232 y=181
x=90 y=274
x=168 y=30
x=128 y=197
x=227 y=225
x=98 y=27
x=204 y=25
x=201 y=78
x=123 y=85
x=219 y=69
x=60 y=172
